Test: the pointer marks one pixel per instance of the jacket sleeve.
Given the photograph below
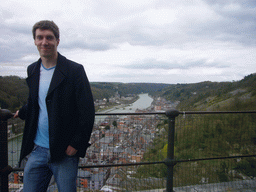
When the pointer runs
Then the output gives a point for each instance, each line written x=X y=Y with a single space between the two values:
x=23 y=110
x=85 y=112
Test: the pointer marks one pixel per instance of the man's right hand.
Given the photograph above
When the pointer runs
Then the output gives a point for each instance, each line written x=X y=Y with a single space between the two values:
x=16 y=115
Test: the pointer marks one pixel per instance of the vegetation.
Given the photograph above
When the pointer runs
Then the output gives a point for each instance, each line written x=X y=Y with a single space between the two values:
x=196 y=136
x=14 y=90
x=208 y=136
x=198 y=96
x=213 y=96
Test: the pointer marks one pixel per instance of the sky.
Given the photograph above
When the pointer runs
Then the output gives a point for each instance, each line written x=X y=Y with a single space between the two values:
x=146 y=41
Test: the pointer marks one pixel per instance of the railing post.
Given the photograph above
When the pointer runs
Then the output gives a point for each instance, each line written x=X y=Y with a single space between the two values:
x=4 y=168
x=170 y=162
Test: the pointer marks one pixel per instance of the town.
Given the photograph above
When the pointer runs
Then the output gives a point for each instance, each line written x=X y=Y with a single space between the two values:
x=116 y=139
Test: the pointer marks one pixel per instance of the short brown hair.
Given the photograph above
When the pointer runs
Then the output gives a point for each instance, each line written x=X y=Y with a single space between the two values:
x=45 y=24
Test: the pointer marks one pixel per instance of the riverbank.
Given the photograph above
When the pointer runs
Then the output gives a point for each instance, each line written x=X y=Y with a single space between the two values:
x=119 y=106
x=142 y=102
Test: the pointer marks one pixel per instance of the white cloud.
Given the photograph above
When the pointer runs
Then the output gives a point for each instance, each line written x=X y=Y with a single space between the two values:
x=160 y=41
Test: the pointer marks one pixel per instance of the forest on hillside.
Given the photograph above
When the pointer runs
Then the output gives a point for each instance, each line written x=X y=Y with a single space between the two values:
x=197 y=96
x=208 y=136
x=213 y=96
x=14 y=90
x=205 y=136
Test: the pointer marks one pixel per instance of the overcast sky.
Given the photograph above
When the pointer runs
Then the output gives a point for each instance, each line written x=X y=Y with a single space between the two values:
x=155 y=41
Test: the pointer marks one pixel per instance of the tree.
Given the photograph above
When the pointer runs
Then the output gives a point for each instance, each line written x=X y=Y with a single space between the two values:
x=107 y=127
x=114 y=123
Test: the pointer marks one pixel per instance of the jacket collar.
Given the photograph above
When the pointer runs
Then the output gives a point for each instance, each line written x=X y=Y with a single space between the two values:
x=59 y=75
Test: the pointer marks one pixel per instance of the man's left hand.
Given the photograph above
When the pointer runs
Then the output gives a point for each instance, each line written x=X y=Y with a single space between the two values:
x=71 y=151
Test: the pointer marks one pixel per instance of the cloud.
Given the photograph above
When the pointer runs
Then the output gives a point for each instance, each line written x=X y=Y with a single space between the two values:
x=169 y=41
x=154 y=64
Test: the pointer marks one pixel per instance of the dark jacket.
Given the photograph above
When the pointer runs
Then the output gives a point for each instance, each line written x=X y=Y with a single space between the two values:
x=70 y=109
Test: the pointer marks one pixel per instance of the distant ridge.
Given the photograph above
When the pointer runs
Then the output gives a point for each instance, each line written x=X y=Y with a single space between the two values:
x=198 y=96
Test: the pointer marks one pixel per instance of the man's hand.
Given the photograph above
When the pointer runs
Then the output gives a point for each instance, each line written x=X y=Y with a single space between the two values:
x=16 y=115
x=70 y=151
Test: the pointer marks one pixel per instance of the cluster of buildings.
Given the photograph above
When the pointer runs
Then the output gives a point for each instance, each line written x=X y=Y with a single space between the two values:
x=116 y=140
x=120 y=140
x=161 y=104
x=117 y=99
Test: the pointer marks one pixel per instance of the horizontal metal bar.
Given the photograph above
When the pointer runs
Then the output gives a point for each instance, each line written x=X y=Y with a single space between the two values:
x=108 y=165
x=139 y=113
x=215 y=112
x=162 y=113
x=180 y=112
x=154 y=162
x=213 y=158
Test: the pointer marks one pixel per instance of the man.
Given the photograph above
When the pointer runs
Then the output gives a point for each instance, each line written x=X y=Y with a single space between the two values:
x=59 y=115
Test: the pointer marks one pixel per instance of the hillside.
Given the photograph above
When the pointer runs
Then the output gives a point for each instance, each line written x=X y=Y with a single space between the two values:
x=14 y=90
x=105 y=90
x=208 y=136
x=239 y=95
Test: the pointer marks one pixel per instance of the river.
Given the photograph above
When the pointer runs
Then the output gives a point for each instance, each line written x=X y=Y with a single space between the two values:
x=143 y=102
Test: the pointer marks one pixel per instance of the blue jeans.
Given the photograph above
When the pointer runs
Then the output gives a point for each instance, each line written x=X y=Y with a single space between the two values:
x=39 y=170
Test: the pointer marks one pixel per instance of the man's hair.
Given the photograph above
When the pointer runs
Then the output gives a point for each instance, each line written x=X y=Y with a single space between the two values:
x=45 y=24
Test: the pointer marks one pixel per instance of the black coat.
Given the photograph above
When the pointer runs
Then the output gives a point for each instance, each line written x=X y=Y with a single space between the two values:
x=70 y=109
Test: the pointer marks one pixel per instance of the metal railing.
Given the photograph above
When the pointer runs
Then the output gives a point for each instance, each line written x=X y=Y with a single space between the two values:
x=174 y=135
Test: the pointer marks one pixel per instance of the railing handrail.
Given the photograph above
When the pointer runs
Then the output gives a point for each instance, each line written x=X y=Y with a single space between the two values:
x=5 y=114
x=180 y=112
x=170 y=161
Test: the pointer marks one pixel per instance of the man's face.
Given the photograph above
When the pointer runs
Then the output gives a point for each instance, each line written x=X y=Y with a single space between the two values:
x=46 y=43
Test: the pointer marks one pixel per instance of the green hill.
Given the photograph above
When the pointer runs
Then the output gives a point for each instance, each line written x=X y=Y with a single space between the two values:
x=14 y=90
x=239 y=95
x=208 y=136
